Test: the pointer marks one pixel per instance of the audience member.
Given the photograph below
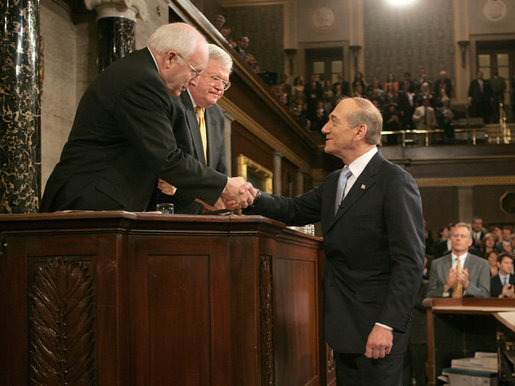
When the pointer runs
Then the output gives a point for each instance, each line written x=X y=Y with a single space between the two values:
x=314 y=92
x=391 y=122
x=480 y=97
x=241 y=46
x=406 y=79
x=421 y=79
x=502 y=284
x=298 y=85
x=406 y=106
x=488 y=245
x=424 y=116
x=491 y=257
x=445 y=116
x=359 y=81
x=391 y=87
x=443 y=83
x=478 y=232
x=459 y=273
x=443 y=246
x=219 y=21
x=424 y=93
x=345 y=88
x=504 y=244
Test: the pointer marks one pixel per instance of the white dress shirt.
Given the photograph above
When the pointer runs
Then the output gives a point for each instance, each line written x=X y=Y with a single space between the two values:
x=357 y=166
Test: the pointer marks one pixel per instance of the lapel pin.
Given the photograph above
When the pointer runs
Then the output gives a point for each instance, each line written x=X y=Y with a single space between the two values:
x=363 y=186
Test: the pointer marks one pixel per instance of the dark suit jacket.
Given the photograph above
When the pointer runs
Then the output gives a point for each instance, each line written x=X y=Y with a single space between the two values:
x=187 y=135
x=121 y=142
x=374 y=249
x=479 y=276
x=496 y=286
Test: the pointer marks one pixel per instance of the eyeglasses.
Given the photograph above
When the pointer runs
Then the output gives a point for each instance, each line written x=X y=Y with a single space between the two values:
x=216 y=80
x=194 y=72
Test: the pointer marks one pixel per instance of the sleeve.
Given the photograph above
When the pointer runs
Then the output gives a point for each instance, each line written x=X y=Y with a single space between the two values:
x=480 y=288
x=301 y=210
x=435 y=286
x=406 y=243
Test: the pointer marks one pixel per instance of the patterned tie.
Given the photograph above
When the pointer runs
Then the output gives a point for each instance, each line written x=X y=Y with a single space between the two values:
x=202 y=126
x=457 y=290
x=340 y=188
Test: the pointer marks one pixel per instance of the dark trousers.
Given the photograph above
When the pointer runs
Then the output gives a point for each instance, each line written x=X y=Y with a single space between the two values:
x=358 y=370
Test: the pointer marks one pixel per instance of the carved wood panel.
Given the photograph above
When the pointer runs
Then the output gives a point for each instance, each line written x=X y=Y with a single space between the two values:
x=266 y=315
x=62 y=322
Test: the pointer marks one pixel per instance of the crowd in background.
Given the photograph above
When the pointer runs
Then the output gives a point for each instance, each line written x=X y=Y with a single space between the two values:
x=407 y=104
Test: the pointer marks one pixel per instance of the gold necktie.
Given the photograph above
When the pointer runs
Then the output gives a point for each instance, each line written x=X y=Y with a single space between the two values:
x=203 y=131
x=457 y=290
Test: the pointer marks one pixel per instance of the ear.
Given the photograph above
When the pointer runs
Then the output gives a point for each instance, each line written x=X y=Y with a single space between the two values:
x=361 y=131
x=169 y=57
x=470 y=241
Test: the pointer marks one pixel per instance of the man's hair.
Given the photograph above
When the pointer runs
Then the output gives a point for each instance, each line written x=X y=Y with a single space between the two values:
x=476 y=218
x=180 y=37
x=501 y=256
x=219 y=54
x=464 y=225
x=369 y=115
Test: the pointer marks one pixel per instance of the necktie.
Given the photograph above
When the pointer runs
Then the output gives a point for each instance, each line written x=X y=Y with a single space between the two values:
x=457 y=290
x=203 y=131
x=340 y=188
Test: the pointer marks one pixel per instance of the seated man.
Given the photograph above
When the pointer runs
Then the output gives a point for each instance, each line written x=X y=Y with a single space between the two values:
x=502 y=284
x=459 y=273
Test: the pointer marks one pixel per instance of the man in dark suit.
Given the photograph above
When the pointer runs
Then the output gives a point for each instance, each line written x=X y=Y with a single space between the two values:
x=442 y=83
x=472 y=274
x=121 y=141
x=373 y=242
x=480 y=98
x=478 y=232
x=502 y=285
x=201 y=99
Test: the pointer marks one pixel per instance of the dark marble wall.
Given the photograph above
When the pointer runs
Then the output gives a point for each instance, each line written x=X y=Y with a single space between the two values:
x=264 y=25
x=403 y=39
x=20 y=150
x=116 y=39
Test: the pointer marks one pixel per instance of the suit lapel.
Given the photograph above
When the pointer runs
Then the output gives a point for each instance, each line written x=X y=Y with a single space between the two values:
x=365 y=181
x=193 y=127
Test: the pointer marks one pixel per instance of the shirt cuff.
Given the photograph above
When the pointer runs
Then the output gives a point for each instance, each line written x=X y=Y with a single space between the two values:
x=384 y=325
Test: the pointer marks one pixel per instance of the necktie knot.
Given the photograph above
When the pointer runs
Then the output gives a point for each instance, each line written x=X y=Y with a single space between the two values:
x=199 y=111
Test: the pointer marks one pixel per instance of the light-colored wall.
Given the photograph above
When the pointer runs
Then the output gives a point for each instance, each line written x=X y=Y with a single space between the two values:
x=479 y=24
x=69 y=60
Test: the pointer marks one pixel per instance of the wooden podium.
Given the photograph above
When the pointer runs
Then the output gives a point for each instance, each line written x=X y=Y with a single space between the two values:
x=148 y=299
x=457 y=328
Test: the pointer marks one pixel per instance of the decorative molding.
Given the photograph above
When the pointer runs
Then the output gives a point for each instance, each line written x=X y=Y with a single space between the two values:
x=465 y=181
x=129 y=9
x=61 y=322
x=266 y=317
x=239 y=3
x=260 y=132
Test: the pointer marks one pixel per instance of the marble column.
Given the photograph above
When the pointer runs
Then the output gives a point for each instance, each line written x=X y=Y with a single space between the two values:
x=116 y=21
x=20 y=97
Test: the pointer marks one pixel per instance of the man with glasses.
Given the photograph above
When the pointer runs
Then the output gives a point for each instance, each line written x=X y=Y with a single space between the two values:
x=121 y=142
x=459 y=273
x=199 y=128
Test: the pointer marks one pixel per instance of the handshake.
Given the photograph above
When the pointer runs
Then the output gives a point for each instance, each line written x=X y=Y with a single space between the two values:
x=237 y=194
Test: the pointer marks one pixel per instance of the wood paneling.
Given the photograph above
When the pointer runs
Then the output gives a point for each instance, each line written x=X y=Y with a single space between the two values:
x=487 y=204
x=440 y=206
x=189 y=300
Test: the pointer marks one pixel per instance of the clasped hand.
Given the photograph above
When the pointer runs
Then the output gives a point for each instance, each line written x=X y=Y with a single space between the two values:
x=237 y=194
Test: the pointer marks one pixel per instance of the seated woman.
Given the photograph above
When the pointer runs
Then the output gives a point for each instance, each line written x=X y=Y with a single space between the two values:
x=488 y=244
x=492 y=263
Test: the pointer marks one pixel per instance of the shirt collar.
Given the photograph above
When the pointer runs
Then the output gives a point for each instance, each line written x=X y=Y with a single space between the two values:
x=359 y=164
x=155 y=61
x=462 y=258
